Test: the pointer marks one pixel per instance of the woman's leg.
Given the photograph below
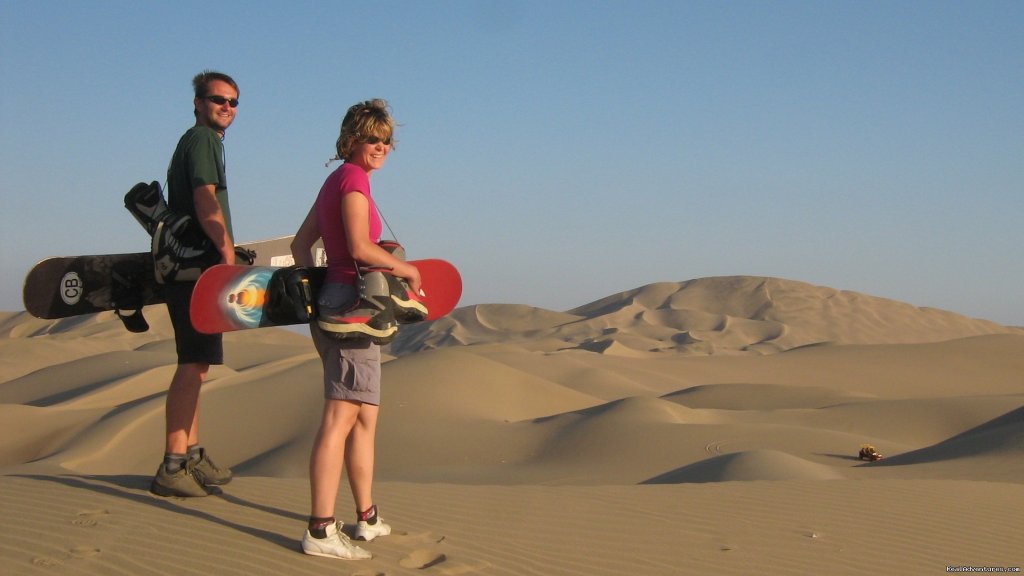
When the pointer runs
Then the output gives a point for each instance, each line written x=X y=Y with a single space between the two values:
x=359 y=456
x=329 y=455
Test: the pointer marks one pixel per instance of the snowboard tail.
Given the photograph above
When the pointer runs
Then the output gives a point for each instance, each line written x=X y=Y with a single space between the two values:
x=72 y=286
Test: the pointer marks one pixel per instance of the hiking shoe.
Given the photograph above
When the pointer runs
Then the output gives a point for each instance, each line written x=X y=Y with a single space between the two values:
x=209 y=474
x=181 y=483
x=336 y=545
x=366 y=531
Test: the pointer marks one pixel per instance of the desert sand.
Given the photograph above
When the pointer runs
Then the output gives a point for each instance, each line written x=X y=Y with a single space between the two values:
x=708 y=426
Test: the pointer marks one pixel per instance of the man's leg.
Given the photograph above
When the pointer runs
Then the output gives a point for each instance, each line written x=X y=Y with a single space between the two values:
x=176 y=476
x=182 y=412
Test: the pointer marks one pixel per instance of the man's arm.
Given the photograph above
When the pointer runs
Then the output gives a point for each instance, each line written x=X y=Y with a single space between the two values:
x=211 y=219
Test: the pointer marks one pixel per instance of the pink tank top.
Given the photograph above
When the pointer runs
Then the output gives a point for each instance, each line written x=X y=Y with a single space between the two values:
x=347 y=179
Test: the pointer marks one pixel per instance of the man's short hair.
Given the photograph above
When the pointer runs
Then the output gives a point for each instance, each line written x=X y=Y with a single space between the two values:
x=201 y=82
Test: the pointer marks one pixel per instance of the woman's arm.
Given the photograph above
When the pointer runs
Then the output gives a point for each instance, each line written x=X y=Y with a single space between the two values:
x=355 y=212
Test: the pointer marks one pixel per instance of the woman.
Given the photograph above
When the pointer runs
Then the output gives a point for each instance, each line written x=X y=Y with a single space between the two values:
x=345 y=216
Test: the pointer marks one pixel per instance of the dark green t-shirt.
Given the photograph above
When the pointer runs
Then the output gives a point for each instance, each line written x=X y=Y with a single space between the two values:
x=198 y=160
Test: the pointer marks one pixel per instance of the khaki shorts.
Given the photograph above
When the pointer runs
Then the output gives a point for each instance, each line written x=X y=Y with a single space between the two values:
x=351 y=367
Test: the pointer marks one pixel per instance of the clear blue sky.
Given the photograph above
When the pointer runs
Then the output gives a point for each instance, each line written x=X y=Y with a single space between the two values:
x=557 y=152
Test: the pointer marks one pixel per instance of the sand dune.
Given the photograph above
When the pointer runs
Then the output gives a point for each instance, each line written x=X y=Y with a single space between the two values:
x=727 y=315
x=709 y=425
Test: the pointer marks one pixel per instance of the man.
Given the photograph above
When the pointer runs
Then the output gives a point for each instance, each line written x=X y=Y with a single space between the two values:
x=196 y=185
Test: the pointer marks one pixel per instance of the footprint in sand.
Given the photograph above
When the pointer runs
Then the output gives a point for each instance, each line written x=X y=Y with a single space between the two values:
x=89 y=518
x=83 y=551
x=77 y=552
x=46 y=562
x=418 y=536
x=422 y=558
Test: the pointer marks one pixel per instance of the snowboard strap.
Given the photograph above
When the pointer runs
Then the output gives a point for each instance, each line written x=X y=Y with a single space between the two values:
x=134 y=322
x=126 y=294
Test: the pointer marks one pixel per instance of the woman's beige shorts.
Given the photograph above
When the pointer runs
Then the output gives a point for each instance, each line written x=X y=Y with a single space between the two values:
x=351 y=367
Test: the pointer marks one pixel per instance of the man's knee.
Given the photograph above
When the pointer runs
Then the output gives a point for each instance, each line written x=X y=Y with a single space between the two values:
x=192 y=372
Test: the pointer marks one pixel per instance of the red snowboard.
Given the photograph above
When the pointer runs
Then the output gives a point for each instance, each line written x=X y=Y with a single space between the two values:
x=228 y=298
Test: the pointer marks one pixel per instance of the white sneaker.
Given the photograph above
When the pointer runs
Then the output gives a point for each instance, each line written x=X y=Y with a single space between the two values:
x=366 y=531
x=336 y=545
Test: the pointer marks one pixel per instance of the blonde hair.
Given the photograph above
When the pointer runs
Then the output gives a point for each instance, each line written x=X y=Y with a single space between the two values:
x=368 y=119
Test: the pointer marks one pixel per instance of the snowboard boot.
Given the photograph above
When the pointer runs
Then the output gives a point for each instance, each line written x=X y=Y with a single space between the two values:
x=409 y=306
x=147 y=205
x=372 y=315
x=394 y=248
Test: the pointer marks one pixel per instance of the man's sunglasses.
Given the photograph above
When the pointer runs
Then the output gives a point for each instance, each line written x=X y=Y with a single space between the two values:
x=220 y=100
